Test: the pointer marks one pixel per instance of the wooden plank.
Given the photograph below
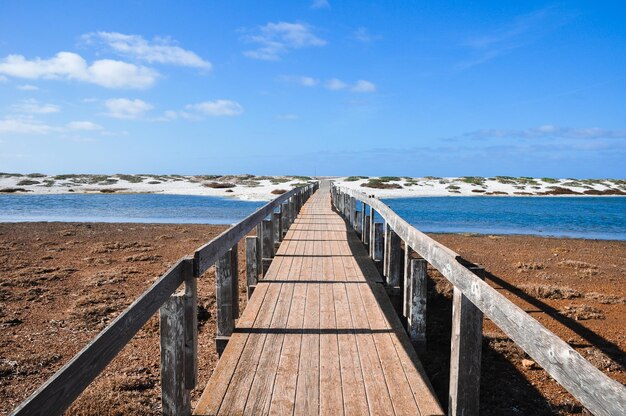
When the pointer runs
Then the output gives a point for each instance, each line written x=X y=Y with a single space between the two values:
x=60 y=390
x=225 y=319
x=251 y=264
x=174 y=394
x=465 y=356
x=595 y=390
x=418 y=293
x=191 y=326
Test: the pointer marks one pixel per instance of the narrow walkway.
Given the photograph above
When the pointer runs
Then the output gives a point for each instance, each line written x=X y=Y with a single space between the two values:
x=319 y=335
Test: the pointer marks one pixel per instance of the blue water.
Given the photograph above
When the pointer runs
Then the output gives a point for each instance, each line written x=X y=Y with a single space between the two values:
x=585 y=217
x=148 y=208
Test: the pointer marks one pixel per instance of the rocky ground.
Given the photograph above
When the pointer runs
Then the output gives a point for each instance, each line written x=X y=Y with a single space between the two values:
x=61 y=283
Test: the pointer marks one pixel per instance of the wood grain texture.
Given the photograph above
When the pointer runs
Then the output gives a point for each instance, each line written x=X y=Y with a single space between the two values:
x=224 y=295
x=596 y=391
x=252 y=270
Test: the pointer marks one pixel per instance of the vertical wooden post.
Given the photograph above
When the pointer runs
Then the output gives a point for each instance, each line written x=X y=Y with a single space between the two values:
x=357 y=222
x=465 y=355
x=366 y=231
x=284 y=219
x=394 y=261
x=251 y=265
x=259 y=248
x=292 y=211
x=372 y=232
x=224 y=296
x=378 y=242
x=416 y=318
x=234 y=264
x=363 y=220
x=406 y=292
x=276 y=234
x=268 y=244
x=191 y=325
x=387 y=240
x=174 y=393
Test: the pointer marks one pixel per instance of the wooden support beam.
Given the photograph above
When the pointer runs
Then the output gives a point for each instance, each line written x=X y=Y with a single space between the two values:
x=366 y=230
x=259 y=249
x=378 y=242
x=251 y=265
x=358 y=222
x=268 y=244
x=394 y=260
x=191 y=325
x=224 y=295
x=416 y=317
x=276 y=234
x=284 y=219
x=465 y=354
x=372 y=239
x=234 y=264
x=174 y=393
x=387 y=240
x=363 y=221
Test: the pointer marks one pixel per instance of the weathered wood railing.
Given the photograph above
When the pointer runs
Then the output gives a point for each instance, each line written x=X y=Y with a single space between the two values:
x=178 y=314
x=472 y=297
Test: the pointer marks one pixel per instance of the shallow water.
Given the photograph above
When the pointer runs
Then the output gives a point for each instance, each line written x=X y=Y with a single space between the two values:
x=579 y=217
x=145 y=208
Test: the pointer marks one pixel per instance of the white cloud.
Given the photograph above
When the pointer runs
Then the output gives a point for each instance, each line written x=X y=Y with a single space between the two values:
x=159 y=50
x=335 y=84
x=548 y=131
x=31 y=106
x=364 y=86
x=300 y=80
x=71 y=66
x=27 y=87
x=125 y=108
x=23 y=126
x=84 y=126
x=288 y=116
x=276 y=39
x=363 y=35
x=3 y=78
x=217 y=108
x=320 y=4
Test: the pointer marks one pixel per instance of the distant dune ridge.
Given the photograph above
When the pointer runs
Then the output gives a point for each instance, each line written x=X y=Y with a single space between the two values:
x=259 y=188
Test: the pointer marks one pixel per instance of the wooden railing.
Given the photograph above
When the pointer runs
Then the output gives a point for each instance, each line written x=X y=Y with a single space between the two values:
x=178 y=313
x=472 y=297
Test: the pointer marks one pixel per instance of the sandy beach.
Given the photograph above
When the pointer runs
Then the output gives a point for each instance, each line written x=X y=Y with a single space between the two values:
x=265 y=188
x=61 y=283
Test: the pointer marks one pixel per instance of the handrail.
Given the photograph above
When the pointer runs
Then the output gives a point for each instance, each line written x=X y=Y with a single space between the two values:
x=595 y=390
x=64 y=386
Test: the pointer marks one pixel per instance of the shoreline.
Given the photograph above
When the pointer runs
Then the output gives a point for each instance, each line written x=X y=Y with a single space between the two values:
x=265 y=188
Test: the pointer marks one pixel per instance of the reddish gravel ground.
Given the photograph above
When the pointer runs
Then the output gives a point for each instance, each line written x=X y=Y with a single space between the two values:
x=61 y=283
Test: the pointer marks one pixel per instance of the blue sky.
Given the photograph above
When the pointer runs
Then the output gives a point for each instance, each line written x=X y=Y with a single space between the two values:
x=314 y=87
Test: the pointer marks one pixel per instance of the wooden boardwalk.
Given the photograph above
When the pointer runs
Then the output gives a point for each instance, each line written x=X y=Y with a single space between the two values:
x=319 y=335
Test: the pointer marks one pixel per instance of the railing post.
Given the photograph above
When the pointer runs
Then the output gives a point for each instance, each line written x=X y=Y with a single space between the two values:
x=252 y=270
x=292 y=211
x=358 y=222
x=394 y=261
x=191 y=325
x=284 y=219
x=416 y=282
x=372 y=233
x=259 y=249
x=276 y=229
x=465 y=354
x=224 y=297
x=234 y=264
x=174 y=393
x=377 y=247
x=268 y=244
x=366 y=231
x=386 y=247
x=363 y=221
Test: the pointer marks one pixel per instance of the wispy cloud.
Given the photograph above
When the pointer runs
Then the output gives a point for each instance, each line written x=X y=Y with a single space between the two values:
x=364 y=86
x=27 y=87
x=124 y=108
x=320 y=4
x=523 y=30
x=84 y=126
x=31 y=106
x=201 y=110
x=159 y=50
x=548 y=132
x=71 y=66
x=288 y=116
x=304 y=81
x=361 y=34
x=23 y=126
x=335 y=84
x=277 y=39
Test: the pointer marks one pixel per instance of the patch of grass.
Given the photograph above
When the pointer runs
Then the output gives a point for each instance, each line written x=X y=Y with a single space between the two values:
x=506 y=179
x=66 y=176
x=453 y=187
x=11 y=175
x=219 y=185
x=355 y=178
x=130 y=178
x=278 y=191
x=302 y=178
x=432 y=178
x=389 y=179
x=36 y=175
x=276 y=181
x=572 y=183
x=550 y=180
x=154 y=182
x=48 y=183
x=473 y=180
x=26 y=182
x=380 y=184
x=250 y=183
